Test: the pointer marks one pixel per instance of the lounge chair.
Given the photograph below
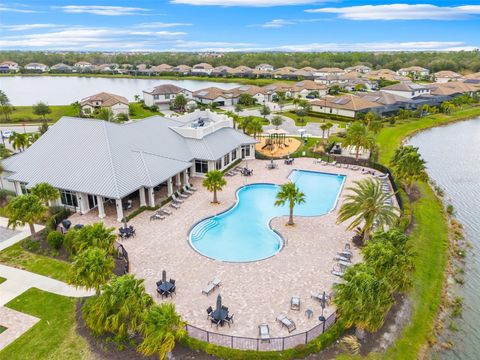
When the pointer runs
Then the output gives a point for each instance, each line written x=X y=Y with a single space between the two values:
x=341 y=258
x=186 y=191
x=339 y=165
x=333 y=163
x=176 y=200
x=264 y=332
x=191 y=187
x=157 y=216
x=165 y=211
x=211 y=286
x=288 y=323
x=345 y=253
x=183 y=196
x=337 y=272
x=295 y=303
x=355 y=168
x=174 y=205
x=319 y=297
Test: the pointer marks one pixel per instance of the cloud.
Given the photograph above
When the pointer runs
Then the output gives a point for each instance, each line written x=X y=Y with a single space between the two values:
x=103 y=10
x=160 y=25
x=401 y=12
x=278 y=23
x=18 y=8
x=24 y=27
x=248 y=3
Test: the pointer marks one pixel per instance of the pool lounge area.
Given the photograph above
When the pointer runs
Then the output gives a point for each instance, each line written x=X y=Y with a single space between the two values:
x=257 y=292
x=243 y=233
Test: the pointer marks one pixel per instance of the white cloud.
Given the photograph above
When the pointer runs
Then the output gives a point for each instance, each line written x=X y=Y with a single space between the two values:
x=249 y=3
x=103 y=10
x=160 y=25
x=24 y=27
x=401 y=12
x=18 y=8
x=277 y=23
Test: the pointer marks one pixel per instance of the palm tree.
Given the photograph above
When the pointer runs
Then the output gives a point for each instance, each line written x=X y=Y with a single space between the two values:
x=277 y=121
x=255 y=127
x=91 y=268
x=160 y=329
x=244 y=123
x=366 y=205
x=45 y=192
x=19 y=141
x=93 y=235
x=357 y=135
x=106 y=114
x=329 y=126
x=25 y=209
x=213 y=182
x=324 y=128
x=289 y=193
x=391 y=257
x=119 y=309
x=409 y=166
x=363 y=299
x=77 y=108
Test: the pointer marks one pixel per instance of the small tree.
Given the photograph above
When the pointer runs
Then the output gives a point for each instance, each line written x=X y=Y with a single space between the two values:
x=264 y=111
x=6 y=110
x=45 y=192
x=238 y=108
x=106 y=114
x=335 y=89
x=255 y=127
x=94 y=235
x=25 y=209
x=213 y=182
x=289 y=193
x=246 y=99
x=180 y=102
x=244 y=123
x=301 y=113
x=92 y=269
x=19 y=141
x=277 y=121
x=360 y=87
x=77 y=108
x=4 y=100
x=41 y=109
x=160 y=329
x=357 y=135
x=409 y=166
x=324 y=128
x=43 y=128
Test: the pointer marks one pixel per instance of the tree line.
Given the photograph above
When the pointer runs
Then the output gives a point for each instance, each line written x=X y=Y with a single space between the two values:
x=460 y=61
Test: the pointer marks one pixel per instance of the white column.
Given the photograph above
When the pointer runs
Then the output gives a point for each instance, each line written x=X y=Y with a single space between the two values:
x=143 y=201
x=185 y=177
x=18 y=189
x=101 y=208
x=83 y=203
x=178 y=181
x=169 y=187
x=151 y=197
x=119 y=205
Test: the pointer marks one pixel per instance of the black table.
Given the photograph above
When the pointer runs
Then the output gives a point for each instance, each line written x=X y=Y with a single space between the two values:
x=165 y=288
x=220 y=316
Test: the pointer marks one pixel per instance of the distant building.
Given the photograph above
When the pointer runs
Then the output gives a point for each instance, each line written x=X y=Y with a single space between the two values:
x=8 y=66
x=407 y=89
x=363 y=69
x=116 y=103
x=82 y=65
x=181 y=69
x=61 y=68
x=328 y=71
x=202 y=69
x=213 y=95
x=265 y=67
x=416 y=72
x=347 y=105
x=37 y=67
x=446 y=76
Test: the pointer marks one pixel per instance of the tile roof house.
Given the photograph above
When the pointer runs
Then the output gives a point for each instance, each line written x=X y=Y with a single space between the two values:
x=390 y=103
x=326 y=71
x=38 y=67
x=346 y=105
x=163 y=95
x=407 y=89
x=416 y=71
x=116 y=103
x=202 y=69
x=221 y=71
x=241 y=71
x=283 y=72
x=265 y=67
x=306 y=87
x=446 y=76
x=453 y=88
x=61 y=67
x=109 y=161
x=8 y=66
x=363 y=69
x=182 y=69
x=213 y=95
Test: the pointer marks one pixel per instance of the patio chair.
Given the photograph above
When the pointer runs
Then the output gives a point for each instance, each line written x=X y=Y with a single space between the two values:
x=209 y=311
x=186 y=191
x=176 y=200
x=157 y=216
x=341 y=258
x=295 y=303
x=264 y=332
x=337 y=272
x=175 y=206
x=191 y=187
x=288 y=323
x=172 y=281
x=165 y=211
x=229 y=319
x=346 y=254
x=215 y=322
x=208 y=289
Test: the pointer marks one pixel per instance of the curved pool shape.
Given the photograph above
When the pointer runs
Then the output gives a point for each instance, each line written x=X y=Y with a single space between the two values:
x=243 y=233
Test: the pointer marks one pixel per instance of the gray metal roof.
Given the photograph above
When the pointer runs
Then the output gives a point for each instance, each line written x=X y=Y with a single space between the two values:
x=113 y=160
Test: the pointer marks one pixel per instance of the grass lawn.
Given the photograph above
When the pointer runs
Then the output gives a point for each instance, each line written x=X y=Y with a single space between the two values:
x=138 y=112
x=2 y=279
x=25 y=114
x=54 y=336
x=18 y=257
x=2 y=329
x=312 y=119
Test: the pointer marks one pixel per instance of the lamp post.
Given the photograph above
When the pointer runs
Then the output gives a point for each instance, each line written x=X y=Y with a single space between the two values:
x=321 y=318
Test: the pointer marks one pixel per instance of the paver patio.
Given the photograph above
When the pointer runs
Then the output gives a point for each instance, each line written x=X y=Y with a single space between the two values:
x=255 y=292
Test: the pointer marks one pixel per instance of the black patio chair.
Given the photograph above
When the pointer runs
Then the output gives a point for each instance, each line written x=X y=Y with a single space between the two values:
x=229 y=319
x=209 y=311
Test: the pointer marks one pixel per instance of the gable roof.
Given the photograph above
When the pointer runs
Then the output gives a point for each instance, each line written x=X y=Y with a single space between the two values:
x=347 y=102
x=405 y=86
x=105 y=98
x=165 y=89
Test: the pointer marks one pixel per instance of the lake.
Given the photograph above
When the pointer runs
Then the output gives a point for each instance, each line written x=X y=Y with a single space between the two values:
x=64 y=90
x=453 y=157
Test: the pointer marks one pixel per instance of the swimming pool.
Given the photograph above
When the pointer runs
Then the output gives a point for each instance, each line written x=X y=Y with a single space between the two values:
x=243 y=233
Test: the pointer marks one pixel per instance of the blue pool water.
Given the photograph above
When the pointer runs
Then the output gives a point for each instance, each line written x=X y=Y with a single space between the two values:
x=243 y=233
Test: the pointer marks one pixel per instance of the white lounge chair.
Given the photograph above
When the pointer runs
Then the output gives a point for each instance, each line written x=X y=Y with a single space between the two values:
x=211 y=286
x=175 y=206
x=337 y=272
x=288 y=323
x=183 y=196
x=295 y=303
x=191 y=187
x=186 y=191
x=176 y=200
x=264 y=332
x=165 y=211
x=157 y=216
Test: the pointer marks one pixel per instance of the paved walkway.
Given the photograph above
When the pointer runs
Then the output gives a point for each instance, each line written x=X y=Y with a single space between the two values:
x=10 y=237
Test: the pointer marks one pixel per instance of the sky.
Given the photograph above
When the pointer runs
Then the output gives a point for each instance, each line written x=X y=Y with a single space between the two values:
x=239 y=25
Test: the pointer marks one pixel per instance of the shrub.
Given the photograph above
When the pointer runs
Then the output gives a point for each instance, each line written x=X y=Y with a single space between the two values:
x=55 y=239
x=31 y=245
x=5 y=196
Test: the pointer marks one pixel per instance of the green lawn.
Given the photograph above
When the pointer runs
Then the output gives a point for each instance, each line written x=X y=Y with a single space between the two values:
x=18 y=257
x=25 y=113
x=2 y=279
x=138 y=112
x=54 y=337
x=313 y=119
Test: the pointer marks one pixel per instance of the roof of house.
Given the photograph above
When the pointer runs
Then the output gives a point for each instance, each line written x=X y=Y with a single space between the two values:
x=309 y=85
x=35 y=65
x=162 y=67
x=284 y=70
x=447 y=74
x=82 y=63
x=113 y=160
x=405 y=86
x=105 y=98
x=384 y=98
x=452 y=88
x=346 y=102
x=61 y=66
x=413 y=69
x=182 y=68
x=330 y=70
x=246 y=89
x=165 y=89
x=8 y=62
x=240 y=70
x=211 y=93
x=202 y=66
x=357 y=67
x=221 y=68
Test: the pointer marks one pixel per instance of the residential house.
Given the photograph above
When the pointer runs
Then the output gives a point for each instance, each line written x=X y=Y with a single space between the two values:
x=221 y=71
x=61 y=68
x=328 y=71
x=265 y=67
x=82 y=65
x=390 y=103
x=163 y=68
x=284 y=72
x=346 y=105
x=144 y=160
x=182 y=69
x=163 y=95
x=386 y=74
x=304 y=73
x=8 y=66
x=202 y=69
x=258 y=93
x=213 y=95
x=271 y=91
x=36 y=67
x=446 y=76
x=261 y=73
x=241 y=71
x=306 y=88
x=416 y=72
x=407 y=89
x=453 y=88
x=351 y=84
x=362 y=69
x=116 y=103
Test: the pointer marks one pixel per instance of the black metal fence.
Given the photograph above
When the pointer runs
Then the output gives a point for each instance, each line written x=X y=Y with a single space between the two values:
x=256 y=344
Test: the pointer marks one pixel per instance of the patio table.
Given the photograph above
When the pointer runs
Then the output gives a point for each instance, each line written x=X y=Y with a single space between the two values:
x=165 y=287
x=220 y=315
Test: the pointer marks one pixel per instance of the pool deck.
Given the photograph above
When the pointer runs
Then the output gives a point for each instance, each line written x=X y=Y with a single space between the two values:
x=255 y=292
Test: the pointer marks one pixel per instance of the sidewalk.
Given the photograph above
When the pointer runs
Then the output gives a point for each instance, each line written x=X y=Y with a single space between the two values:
x=24 y=232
